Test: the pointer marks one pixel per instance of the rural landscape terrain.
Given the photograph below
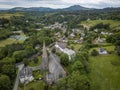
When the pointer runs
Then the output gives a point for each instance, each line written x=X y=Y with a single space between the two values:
x=74 y=48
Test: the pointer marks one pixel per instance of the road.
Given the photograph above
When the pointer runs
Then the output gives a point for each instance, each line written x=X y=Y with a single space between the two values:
x=20 y=66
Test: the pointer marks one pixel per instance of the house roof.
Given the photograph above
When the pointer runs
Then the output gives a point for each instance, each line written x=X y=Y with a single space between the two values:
x=102 y=49
x=26 y=71
x=61 y=44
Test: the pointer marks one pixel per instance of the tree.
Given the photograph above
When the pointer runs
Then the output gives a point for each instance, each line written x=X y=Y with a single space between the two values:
x=62 y=84
x=115 y=39
x=83 y=58
x=9 y=70
x=94 y=52
x=25 y=61
x=35 y=60
x=75 y=81
x=54 y=50
x=5 y=83
x=78 y=66
x=78 y=82
x=64 y=59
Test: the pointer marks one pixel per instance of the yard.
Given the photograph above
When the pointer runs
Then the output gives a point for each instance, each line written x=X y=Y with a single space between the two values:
x=76 y=46
x=109 y=48
x=32 y=63
x=105 y=72
x=37 y=85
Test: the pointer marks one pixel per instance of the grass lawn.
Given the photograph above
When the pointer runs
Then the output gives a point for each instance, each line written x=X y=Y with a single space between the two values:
x=7 y=42
x=105 y=75
x=112 y=23
x=31 y=63
x=109 y=48
x=76 y=46
x=37 y=85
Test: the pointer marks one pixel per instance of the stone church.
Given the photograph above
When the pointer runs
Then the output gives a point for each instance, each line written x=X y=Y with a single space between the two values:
x=53 y=66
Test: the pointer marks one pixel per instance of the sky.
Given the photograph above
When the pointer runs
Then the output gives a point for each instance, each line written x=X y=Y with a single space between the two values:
x=6 y=4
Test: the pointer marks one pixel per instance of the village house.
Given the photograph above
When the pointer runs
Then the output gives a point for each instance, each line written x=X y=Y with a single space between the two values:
x=72 y=35
x=76 y=30
x=63 y=48
x=64 y=40
x=102 y=51
x=37 y=46
x=25 y=75
x=100 y=40
x=96 y=30
x=57 y=25
x=17 y=32
x=58 y=34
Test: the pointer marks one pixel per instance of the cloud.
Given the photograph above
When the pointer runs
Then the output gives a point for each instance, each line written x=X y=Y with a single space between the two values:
x=59 y=3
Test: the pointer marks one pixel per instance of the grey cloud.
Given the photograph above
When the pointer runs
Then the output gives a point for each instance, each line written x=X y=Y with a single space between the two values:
x=59 y=3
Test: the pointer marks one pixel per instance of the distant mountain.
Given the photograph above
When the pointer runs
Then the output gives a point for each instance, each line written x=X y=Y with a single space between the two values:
x=75 y=8
x=71 y=8
x=40 y=9
x=45 y=9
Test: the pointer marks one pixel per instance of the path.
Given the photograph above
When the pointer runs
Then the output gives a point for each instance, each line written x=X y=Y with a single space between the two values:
x=20 y=66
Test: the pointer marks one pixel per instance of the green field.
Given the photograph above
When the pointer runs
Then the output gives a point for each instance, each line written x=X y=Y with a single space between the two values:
x=109 y=48
x=37 y=85
x=8 y=15
x=112 y=23
x=7 y=42
x=105 y=75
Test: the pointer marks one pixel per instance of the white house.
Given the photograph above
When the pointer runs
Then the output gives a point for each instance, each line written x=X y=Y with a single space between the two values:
x=25 y=75
x=102 y=51
x=72 y=35
x=62 y=47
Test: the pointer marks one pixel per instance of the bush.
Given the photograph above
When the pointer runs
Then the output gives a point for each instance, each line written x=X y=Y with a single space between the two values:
x=35 y=60
x=64 y=59
x=94 y=52
x=54 y=50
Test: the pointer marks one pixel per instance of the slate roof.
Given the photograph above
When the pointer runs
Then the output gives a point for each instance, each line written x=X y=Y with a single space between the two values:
x=62 y=45
x=26 y=71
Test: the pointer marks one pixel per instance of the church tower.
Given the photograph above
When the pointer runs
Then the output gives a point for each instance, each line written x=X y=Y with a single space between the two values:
x=44 y=58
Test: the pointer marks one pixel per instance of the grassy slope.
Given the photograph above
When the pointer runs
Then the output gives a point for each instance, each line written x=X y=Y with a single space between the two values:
x=104 y=75
x=8 y=15
x=112 y=23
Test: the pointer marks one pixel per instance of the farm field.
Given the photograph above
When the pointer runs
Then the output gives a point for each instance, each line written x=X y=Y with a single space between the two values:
x=112 y=23
x=8 y=15
x=7 y=42
x=105 y=72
